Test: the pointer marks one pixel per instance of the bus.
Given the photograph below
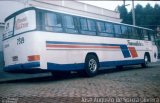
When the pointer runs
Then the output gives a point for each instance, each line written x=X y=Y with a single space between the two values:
x=43 y=40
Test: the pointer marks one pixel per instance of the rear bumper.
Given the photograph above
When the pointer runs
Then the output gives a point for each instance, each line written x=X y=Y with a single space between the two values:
x=26 y=67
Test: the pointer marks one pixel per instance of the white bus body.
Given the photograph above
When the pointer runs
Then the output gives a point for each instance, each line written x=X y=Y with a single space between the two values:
x=27 y=47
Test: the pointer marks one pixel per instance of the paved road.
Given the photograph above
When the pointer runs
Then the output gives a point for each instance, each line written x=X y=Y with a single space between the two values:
x=14 y=76
x=128 y=85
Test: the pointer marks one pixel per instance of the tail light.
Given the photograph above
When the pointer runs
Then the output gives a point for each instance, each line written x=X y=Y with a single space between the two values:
x=34 y=58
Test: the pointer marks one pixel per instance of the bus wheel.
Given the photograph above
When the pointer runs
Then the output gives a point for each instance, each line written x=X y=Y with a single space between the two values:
x=146 y=62
x=91 y=65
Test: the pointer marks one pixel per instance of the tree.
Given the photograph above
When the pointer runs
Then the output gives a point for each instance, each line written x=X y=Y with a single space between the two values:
x=157 y=15
x=139 y=13
x=148 y=16
x=145 y=17
x=123 y=13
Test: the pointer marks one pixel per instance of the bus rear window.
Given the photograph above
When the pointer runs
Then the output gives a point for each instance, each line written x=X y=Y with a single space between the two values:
x=25 y=21
x=20 y=23
x=8 y=29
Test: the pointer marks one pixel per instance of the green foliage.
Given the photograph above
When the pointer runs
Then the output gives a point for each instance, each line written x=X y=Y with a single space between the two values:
x=147 y=16
x=123 y=13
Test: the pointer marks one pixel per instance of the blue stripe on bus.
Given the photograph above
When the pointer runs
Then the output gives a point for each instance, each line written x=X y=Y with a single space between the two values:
x=122 y=62
x=61 y=67
x=22 y=66
x=125 y=51
x=80 y=66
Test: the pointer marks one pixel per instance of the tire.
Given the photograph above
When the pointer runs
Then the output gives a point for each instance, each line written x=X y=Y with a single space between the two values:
x=91 y=66
x=146 y=62
x=60 y=74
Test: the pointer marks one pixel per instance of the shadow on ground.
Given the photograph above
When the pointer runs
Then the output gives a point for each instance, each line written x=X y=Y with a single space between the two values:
x=51 y=78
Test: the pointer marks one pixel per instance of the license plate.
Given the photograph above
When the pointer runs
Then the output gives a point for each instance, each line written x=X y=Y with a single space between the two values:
x=15 y=58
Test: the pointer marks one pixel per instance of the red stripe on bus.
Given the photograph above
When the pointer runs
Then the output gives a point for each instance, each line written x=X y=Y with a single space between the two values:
x=133 y=52
x=78 y=46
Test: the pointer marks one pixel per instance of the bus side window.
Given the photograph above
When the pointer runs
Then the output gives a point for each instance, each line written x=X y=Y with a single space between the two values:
x=149 y=35
x=91 y=25
x=129 y=32
x=105 y=29
x=124 y=31
x=53 y=22
x=84 y=25
x=140 y=34
x=69 y=24
x=146 y=37
x=117 y=29
x=135 y=34
x=88 y=26
x=40 y=20
x=101 y=27
x=152 y=36
x=109 y=29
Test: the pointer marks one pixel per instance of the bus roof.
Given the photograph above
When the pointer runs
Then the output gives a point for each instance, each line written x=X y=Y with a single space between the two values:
x=40 y=8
